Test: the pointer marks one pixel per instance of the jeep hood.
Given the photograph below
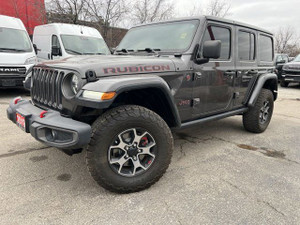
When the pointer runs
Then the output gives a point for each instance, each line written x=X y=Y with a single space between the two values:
x=109 y=65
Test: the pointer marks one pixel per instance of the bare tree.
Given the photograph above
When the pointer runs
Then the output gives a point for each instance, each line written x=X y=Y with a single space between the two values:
x=285 y=40
x=106 y=13
x=72 y=10
x=145 y=11
x=219 y=8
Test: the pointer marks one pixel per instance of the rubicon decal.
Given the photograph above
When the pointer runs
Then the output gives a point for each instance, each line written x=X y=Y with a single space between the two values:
x=136 y=69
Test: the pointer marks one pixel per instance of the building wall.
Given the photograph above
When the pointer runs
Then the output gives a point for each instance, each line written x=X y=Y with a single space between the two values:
x=31 y=12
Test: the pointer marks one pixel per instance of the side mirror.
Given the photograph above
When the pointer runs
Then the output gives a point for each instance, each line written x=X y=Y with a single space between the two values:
x=56 y=51
x=35 y=48
x=212 y=49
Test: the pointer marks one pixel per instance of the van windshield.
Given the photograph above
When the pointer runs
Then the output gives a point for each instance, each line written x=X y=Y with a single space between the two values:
x=297 y=59
x=13 y=40
x=174 y=36
x=82 y=45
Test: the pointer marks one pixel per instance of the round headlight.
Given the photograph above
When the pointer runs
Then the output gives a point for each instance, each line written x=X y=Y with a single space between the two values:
x=75 y=84
x=71 y=85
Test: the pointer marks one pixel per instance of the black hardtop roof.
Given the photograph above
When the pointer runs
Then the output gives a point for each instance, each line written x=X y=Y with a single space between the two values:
x=213 y=18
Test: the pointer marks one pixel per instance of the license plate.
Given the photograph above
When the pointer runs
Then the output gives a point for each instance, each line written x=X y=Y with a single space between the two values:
x=20 y=121
x=8 y=83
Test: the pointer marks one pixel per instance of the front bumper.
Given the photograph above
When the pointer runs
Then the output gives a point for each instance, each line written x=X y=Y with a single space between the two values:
x=11 y=81
x=291 y=78
x=52 y=129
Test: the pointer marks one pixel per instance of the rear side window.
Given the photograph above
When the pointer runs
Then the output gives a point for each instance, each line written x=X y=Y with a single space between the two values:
x=265 y=48
x=224 y=35
x=246 y=46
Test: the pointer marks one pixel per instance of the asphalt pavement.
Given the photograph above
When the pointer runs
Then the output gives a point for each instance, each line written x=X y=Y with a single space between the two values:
x=220 y=174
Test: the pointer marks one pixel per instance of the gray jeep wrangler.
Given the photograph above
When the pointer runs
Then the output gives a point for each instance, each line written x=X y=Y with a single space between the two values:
x=167 y=75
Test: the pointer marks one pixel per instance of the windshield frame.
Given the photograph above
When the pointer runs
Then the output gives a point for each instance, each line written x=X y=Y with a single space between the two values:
x=82 y=53
x=30 y=49
x=167 y=51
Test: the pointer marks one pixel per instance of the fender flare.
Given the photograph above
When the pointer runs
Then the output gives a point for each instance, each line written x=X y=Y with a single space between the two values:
x=121 y=84
x=261 y=81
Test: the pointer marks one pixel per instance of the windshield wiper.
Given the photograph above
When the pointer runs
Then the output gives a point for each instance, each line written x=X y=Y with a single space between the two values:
x=12 y=49
x=124 y=50
x=70 y=50
x=150 y=50
x=93 y=53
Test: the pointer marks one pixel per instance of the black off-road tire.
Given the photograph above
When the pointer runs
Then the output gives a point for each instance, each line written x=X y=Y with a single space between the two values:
x=110 y=124
x=284 y=83
x=251 y=119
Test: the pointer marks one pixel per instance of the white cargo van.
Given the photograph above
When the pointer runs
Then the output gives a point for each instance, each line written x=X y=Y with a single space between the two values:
x=59 y=40
x=17 y=55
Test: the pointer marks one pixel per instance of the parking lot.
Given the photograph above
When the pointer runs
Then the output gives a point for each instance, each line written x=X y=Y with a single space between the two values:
x=220 y=174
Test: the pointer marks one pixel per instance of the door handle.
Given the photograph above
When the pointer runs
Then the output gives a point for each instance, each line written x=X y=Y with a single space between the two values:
x=229 y=73
x=252 y=72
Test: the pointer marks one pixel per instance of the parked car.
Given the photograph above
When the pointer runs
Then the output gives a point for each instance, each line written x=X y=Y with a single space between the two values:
x=291 y=72
x=163 y=76
x=17 y=56
x=280 y=60
x=59 y=40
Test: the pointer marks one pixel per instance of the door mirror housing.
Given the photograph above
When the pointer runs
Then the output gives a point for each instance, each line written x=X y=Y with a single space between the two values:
x=212 y=49
x=56 y=51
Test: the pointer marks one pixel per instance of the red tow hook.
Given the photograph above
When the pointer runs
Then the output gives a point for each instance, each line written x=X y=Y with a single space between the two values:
x=42 y=114
x=16 y=100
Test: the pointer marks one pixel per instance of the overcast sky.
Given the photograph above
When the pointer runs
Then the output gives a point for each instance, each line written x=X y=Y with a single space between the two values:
x=268 y=14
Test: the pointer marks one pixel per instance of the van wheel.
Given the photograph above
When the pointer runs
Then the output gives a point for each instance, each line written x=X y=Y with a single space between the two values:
x=130 y=149
x=257 y=118
x=284 y=83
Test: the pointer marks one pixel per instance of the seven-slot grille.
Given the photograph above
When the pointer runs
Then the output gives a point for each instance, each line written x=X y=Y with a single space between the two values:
x=46 y=87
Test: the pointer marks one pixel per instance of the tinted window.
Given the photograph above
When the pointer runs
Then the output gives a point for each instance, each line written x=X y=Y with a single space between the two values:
x=266 y=48
x=222 y=34
x=246 y=43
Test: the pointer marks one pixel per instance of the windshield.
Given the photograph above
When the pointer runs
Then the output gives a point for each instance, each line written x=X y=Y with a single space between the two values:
x=13 y=40
x=82 y=45
x=297 y=59
x=175 y=36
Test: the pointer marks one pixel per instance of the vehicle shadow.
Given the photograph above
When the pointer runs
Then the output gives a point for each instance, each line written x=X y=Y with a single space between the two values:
x=13 y=92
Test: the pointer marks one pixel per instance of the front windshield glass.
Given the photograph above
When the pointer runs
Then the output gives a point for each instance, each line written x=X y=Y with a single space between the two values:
x=175 y=36
x=13 y=40
x=82 y=45
x=297 y=59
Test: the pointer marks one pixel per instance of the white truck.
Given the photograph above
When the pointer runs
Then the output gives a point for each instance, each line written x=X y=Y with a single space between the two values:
x=17 y=56
x=59 y=40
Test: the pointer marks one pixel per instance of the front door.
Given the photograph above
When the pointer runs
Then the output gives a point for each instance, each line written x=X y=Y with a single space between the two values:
x=214 y=81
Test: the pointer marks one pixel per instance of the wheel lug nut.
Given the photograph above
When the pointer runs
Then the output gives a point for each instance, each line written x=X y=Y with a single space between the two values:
x=140 y=150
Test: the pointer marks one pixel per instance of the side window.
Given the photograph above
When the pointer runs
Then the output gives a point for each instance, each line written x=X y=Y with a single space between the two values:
x=246 y=46
x=265 y=48
x=55 y=41
x=285 y=58
x=224 y=35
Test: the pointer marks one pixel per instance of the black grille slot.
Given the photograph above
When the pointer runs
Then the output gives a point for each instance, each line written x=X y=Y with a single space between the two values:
x=46 y=88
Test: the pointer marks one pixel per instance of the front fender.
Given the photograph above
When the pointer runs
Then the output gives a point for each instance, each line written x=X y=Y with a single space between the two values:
x=121 y=84
x=268 y=80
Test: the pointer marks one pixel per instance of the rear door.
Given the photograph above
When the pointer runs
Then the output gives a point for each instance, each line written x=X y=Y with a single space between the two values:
x=246 y=63
x=213 y=81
